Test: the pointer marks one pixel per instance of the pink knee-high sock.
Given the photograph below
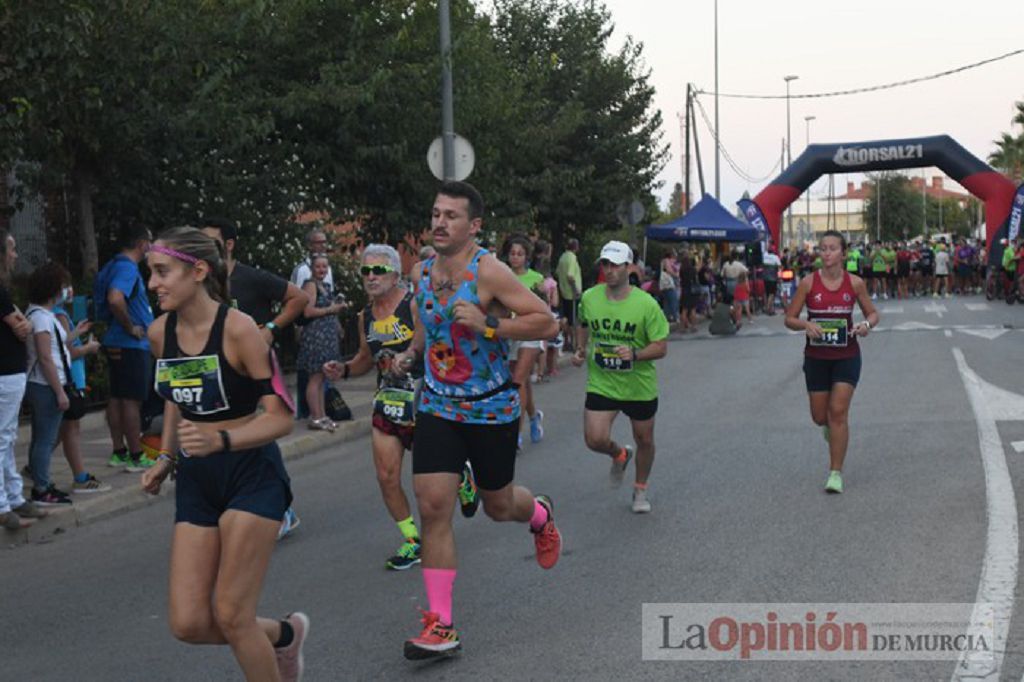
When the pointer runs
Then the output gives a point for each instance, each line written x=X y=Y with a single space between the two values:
x=439 y=582
x=540 y=516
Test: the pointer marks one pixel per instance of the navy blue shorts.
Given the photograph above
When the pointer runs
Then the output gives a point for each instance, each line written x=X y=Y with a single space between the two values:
x=130 y=372
x=253 y=481
x=444 y=446
x=821 y=374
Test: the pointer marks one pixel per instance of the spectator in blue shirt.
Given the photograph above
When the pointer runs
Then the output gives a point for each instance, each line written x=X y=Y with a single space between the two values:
x=119 y=293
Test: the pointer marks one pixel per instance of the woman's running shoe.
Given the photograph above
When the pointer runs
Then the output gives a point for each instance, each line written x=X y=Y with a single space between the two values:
x=469 y=497
x=89 y=485
x=434 y=641
x=407 y=556
x=834 y=484
x=51 y=497
x=290 y=662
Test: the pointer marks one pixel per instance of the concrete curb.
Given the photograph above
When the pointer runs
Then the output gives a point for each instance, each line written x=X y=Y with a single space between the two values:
x=104 y=505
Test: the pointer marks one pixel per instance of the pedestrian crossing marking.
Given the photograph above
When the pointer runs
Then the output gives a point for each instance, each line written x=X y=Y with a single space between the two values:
x=977 y=306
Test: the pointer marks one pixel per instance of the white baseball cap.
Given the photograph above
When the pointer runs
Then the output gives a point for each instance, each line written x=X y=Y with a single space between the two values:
x=617 y=252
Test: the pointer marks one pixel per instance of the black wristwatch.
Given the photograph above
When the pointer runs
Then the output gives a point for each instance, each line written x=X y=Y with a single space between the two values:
x=490 y=326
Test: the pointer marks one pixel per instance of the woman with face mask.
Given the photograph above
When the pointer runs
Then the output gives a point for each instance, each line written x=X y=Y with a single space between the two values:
x=70 y=429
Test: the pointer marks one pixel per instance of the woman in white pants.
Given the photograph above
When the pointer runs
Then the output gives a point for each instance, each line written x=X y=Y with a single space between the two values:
x=15 y=511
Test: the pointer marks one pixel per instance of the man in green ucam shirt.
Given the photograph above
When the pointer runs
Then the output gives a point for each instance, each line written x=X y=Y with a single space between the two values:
x=622 y=331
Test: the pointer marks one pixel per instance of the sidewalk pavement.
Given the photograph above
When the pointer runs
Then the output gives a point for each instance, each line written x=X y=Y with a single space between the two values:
x=126 y=491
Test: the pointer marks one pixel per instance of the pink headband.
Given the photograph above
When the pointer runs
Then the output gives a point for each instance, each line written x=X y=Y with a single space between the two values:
x=174 y=253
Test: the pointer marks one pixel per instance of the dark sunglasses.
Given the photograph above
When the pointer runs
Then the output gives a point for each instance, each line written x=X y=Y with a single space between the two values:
x=376 y=270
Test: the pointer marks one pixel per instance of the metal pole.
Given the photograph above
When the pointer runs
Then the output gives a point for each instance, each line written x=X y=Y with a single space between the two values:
x=807 y=143
x=878 y=206
x=924 y=203
x=447 y=106
x=718 y=145
x=686 y=175
x=789 y=148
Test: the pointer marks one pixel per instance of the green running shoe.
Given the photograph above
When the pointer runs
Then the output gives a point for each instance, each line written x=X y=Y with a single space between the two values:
x=834 y=484
x=407 y=556
x=469 y=498
x=117 y=461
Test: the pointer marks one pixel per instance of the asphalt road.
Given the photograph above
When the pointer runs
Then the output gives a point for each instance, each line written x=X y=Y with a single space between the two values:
x=739 y=516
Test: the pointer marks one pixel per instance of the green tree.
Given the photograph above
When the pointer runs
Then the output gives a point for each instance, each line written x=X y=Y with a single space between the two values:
x=1008 y=156
x=675 y=201
x=590 y=136
x=900 y=208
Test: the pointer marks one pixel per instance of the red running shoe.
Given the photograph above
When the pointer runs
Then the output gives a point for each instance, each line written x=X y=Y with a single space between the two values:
x=435 y=641
x=547 y=540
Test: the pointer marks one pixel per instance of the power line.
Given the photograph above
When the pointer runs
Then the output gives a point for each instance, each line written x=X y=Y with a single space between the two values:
x=874 y=88
x=728 y=158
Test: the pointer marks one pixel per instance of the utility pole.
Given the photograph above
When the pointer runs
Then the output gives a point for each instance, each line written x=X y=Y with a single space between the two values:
x=807 y=143
x=718 y=144
x=447 y=106
x=686 y=173
x=789 y=146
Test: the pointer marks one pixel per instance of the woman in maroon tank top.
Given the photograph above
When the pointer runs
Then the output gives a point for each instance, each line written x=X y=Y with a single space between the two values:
x=832 y=354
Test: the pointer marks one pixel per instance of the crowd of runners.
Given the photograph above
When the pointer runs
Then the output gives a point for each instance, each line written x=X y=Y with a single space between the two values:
x=455 y=347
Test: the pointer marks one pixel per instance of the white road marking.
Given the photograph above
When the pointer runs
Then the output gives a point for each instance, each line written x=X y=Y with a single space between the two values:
x=936 y=308
x=891 y=309
x=990 y=334
x=1018 y=445
x=977 y=306
x=999 y=569
x=948 y=334
x=913 y=326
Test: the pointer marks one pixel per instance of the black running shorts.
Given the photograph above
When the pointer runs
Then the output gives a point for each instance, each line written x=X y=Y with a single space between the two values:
x=637 y=410
x=820 y=374
x=444 y=446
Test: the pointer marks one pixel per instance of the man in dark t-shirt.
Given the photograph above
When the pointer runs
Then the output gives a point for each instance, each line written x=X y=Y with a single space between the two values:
x=253 y=291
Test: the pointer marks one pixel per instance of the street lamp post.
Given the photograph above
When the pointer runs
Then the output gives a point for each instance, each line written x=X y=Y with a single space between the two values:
x=789 y=150
x=807 y=121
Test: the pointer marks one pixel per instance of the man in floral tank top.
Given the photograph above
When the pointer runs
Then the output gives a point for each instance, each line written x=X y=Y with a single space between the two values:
x=469 y=409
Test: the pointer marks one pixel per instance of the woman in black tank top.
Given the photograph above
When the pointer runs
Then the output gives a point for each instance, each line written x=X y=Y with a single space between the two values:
x=213 y=369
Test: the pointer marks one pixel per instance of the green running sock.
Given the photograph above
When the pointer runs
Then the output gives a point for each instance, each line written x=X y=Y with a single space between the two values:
x=408 y=528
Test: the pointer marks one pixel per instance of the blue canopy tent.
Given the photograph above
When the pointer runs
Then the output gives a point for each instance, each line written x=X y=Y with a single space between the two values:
x=707 y=221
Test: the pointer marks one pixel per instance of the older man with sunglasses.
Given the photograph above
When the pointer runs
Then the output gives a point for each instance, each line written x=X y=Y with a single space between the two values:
x=386 y=327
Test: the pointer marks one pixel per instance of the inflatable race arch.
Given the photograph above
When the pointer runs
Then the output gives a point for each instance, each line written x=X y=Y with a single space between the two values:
x=992 y=187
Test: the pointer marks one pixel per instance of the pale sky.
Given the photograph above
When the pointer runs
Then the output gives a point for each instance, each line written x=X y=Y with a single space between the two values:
x=831 y=45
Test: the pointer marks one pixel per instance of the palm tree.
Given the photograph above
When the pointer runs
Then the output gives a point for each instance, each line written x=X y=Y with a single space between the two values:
x=1009 y=154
